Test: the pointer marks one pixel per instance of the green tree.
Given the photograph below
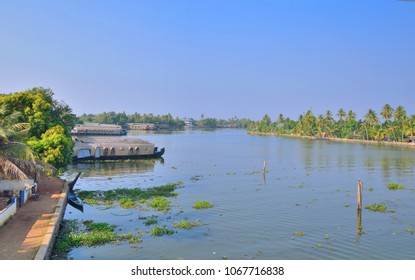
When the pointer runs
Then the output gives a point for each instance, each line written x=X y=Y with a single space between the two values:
x=387 y=113
x=341 y=114
x=16 y=158
x=400 y=118
x=207 y=123
x=54 y=147
x=351 y=116
x=410 y=128
x=280 y=119
x=371 y=119
x=320 y=125
x=309 y=123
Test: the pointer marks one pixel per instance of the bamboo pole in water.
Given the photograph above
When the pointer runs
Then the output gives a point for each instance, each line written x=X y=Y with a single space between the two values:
x=359 y=194
x=265 y=167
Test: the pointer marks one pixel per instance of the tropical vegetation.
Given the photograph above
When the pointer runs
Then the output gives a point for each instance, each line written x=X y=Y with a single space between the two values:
x=161 y=120
x=397 y=125
x=123 y=118
x=16 y=158
x=34 y=127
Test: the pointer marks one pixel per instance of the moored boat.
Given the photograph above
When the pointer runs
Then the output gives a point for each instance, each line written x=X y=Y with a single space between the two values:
x=112 y=148
x=75 y=202
x=98 y=129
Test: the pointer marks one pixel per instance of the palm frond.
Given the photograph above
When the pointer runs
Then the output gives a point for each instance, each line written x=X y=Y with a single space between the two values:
x=16 y=150
x=9 y=170
x=17 y=136
x=20 y=126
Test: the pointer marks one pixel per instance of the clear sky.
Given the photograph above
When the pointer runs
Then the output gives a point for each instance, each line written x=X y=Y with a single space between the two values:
x=218 y=58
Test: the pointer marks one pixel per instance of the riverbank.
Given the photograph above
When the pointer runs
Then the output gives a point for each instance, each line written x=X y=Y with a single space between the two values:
x=30 y=233
x=358 y=141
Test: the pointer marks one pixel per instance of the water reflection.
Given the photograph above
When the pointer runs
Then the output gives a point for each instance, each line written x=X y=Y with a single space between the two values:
x=99 y=169
x=386 y=160
x=359 y=227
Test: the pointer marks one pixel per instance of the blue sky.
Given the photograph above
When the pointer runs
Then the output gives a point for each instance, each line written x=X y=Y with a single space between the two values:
x=217 y=58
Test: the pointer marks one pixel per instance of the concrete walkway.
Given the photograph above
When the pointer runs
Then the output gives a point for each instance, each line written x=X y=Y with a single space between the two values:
x=30 y=233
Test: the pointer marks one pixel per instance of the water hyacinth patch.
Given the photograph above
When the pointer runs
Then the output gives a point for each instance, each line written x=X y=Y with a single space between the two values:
x=202 y=204
x=185 y=224
x=394 y=187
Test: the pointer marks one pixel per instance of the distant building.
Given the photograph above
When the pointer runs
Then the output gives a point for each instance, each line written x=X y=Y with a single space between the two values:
x=189 y=122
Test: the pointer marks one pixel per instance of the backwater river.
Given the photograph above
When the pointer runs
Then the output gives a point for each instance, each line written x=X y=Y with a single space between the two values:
x=303 y=208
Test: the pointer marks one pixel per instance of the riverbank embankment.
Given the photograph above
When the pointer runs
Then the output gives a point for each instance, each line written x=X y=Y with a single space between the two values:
x=30 y=234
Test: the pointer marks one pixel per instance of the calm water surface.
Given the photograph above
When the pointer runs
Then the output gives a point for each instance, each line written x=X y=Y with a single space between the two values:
x=310 y=187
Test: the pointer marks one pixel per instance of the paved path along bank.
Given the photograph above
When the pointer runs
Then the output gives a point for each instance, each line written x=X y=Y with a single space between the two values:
x=30 y=234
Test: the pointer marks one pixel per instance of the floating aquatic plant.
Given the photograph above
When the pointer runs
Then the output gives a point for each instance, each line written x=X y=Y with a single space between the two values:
x=379 y=207
x=160 y=231
x=394 y=186
x=159 y=203
x=202 y=204
x=185 y=224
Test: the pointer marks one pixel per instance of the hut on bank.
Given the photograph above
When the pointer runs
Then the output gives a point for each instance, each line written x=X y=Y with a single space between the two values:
x=16 y=189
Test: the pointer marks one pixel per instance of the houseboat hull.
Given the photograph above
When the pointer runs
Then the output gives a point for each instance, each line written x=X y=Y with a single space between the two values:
x=157 y=154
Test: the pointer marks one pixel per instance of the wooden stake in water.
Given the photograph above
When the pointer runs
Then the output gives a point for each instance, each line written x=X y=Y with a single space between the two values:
x=265 y=167
x=359 y=194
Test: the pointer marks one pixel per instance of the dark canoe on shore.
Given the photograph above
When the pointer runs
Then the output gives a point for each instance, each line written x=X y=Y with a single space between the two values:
x=75 y=202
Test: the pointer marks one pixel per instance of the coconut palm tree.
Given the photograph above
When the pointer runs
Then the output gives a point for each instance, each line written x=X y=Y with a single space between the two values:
x=320 y=125
x=341 y=114
x=16 y=158
x=280 y=119
x=387 y=113
x=351 y=116
x=309 y=122
x=410 y=128
x=370 y=119
x=400 y=119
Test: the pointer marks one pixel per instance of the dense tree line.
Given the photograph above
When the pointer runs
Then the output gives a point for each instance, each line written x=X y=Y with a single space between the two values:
x=168 y=119
x=397 y=125
x=35 y=119
x=123 y=118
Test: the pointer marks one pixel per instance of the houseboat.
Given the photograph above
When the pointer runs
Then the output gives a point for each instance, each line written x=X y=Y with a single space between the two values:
x=142 y=126
x=98 y=129
x=113 y=148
